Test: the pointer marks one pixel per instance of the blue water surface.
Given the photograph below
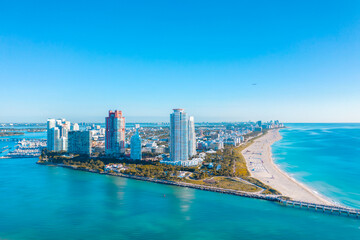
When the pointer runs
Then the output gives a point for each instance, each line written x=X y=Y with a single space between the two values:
x=324 y=156
x=43 y=202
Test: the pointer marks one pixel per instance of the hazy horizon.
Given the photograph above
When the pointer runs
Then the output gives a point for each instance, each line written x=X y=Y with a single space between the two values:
x=166 y=120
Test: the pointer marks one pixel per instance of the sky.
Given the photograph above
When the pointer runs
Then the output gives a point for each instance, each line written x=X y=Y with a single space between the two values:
x=296 y=61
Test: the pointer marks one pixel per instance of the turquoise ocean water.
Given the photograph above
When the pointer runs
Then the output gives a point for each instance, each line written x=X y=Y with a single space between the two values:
x=324 y=156
x=41 y=202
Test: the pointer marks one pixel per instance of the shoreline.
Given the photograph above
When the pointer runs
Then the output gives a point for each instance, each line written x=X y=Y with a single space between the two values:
x=324 y=207
x=261 y=166
x=272 y=198
x=278 y=199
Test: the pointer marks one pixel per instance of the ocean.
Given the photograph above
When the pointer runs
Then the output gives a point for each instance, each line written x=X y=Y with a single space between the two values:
x=326 y=157
x=41 y=202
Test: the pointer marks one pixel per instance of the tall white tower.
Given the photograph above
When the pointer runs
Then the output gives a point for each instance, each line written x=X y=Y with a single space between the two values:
x=192 y=137
x=179 y=136
x=57 y=134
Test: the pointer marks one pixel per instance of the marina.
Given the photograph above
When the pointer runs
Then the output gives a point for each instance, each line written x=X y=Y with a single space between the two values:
x=7 y=139
x=27 y=148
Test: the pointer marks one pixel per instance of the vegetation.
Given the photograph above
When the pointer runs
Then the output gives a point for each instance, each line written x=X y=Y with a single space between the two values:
x=156 y=170
x=267 y=189
x=229 y=169
x=138 y=168
x=226 y=183
x=91 y=165
x=228 y=162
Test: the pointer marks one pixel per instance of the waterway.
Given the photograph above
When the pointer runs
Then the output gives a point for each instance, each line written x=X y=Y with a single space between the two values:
x=42 y=202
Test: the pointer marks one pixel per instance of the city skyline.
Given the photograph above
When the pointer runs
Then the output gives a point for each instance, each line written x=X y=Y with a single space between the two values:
x=223 y=62
x=182 y=119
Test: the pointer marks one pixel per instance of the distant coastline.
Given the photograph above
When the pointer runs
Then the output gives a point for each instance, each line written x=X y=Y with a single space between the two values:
x=8 y=134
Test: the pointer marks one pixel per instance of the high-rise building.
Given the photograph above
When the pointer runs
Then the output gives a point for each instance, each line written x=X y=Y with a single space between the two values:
x=79 y=142
x=62 y=144
x=57 y=133
x=50 y=134
x=192 y=137
x=135 y=144
x=75 y=127
x=259 y=123
x=179 y=136
x=115 y=133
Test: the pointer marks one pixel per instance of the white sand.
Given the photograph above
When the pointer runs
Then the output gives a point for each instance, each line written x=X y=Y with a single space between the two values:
x=261 y=166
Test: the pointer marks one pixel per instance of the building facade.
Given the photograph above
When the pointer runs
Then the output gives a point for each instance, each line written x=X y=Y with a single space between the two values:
x=135 y=145
x=57 y=134
x=79 y=142
x=51 y=134
x=75 y=127
x=192 y=137
x=179 y=136
x=115 y=133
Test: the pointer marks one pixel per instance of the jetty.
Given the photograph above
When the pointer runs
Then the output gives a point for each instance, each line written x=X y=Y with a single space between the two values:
x=332 y=209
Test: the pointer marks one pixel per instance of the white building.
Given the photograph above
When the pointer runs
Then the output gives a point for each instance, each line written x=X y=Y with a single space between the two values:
x=189 y=163
x=75 y=127
x=57 y=134
x=179 y=136
x=182 y=139
x=192 y=137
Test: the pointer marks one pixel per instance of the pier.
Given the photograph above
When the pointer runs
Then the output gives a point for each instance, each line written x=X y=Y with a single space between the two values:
x=351 y=212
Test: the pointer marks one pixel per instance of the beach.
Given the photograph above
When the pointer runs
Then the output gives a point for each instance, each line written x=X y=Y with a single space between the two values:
x=262 y=167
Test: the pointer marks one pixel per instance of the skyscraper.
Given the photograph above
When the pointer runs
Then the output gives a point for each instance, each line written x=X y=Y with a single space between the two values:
x=135 y=144
x=259 y=123
x=75 y=127
x=79 y=142
x=115 y=133
x=192 y=137
x=50 y=134
x=179 y=136
x=57 y=133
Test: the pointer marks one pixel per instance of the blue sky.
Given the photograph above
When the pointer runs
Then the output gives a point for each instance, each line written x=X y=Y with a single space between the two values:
x=79 y=59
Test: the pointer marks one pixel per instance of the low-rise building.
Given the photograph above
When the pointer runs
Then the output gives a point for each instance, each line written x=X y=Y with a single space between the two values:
x=186 y=163
x=115 y=168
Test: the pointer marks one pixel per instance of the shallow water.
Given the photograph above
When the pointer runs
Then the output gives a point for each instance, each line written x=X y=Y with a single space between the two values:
x=324 y=156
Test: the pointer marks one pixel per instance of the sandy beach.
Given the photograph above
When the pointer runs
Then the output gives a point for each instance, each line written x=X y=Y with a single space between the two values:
x=261 y=166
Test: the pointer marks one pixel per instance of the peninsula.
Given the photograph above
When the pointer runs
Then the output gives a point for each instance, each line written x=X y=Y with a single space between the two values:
x=181 y=155
x=232 y=175
x=247 y=170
